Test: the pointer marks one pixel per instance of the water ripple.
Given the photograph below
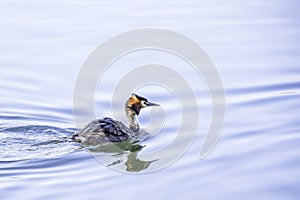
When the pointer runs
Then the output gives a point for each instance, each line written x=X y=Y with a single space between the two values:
x=33 y=141
x=288 y=87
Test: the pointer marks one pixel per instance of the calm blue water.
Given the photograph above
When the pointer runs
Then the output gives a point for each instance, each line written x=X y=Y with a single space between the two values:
x=255 y=47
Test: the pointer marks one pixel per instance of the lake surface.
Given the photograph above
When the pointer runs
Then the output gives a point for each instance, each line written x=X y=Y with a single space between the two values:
x=255 y=48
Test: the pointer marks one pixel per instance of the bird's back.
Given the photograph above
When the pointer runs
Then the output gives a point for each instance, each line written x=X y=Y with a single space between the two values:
x=103 y=130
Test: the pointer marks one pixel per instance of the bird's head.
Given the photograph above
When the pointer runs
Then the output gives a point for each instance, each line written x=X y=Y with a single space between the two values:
x=136 y=103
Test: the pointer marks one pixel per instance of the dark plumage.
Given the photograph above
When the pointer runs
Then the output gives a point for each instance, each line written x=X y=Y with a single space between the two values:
x=103 y=130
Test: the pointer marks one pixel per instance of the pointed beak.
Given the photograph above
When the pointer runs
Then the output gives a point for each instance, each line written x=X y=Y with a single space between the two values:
x=151 y=104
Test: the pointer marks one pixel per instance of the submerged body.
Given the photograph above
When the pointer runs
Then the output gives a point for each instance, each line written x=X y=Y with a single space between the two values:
x=108 y=130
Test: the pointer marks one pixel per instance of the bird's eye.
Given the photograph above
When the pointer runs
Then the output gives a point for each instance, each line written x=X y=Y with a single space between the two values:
x=144 y=103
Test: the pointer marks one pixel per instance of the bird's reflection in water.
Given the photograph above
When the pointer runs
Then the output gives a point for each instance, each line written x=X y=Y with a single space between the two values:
x=122 y=153
x=134 y=164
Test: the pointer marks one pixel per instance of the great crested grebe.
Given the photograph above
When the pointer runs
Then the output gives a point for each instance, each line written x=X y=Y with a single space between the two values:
x=104 y=130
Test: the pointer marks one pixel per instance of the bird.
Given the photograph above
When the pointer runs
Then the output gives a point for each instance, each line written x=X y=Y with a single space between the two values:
x=104 y=130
